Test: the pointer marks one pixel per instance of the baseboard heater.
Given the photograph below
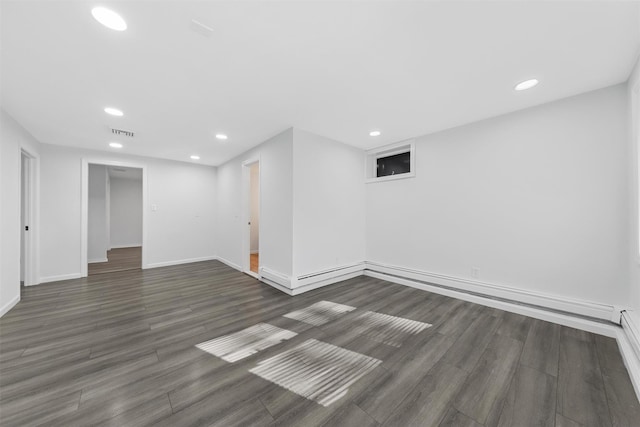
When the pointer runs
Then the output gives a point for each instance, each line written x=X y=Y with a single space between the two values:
x=495 y=298
x=632 y=333
x=344 y=269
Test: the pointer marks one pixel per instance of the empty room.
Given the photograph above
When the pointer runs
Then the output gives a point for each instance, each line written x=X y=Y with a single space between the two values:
x=319 y=213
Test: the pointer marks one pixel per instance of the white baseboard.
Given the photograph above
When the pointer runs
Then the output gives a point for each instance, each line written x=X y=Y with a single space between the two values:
x=310 y=281
x=60 y=277
x=601 y=328
x=132 y=245
x=325 y=282
x=629 y=344
x=547 y=301
x=229 y=263
x=92 y=261
x=8 y=306
x=252 y=274
x=280 y=281
x=276 y=286
x=254 y=252
x=179 y=261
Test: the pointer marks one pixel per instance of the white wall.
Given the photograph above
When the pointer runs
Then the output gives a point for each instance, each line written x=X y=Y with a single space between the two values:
x=276 y=206
x=97 y=218
x=329 y=204
x=536 y=200
x=13 y=138
x=255 y=208
x=126 y=212
x=311 y=206
x=181 y=230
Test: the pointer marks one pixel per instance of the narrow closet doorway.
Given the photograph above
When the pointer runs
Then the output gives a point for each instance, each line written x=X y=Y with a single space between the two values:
x=114 y=219
x=253 y=215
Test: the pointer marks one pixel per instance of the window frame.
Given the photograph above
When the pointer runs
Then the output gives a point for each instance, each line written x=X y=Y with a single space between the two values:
x=372 y=156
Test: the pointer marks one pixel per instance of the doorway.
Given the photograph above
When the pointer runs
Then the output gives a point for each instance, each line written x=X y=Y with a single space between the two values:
x=24 y=212
x=251 y=172
x=24 y=228
x=28 y=182
x=113 y=218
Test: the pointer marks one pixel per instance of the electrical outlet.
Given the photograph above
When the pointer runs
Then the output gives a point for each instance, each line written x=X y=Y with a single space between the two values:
x=475 y=272
x=154 y=208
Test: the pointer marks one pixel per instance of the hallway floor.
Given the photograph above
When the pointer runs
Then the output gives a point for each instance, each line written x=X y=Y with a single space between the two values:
x=119 y=259
x=254 y=262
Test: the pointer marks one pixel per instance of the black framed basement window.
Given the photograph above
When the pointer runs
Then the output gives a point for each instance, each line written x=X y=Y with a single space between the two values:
x=393 y=165
x=391 y=162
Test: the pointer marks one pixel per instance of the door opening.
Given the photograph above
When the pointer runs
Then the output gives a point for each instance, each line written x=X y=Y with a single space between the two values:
x=28 y=218
x=251 y=263
x=113 y=217
x=24 y=214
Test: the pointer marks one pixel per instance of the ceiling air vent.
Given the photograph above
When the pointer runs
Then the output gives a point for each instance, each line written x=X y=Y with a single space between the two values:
x=121 y=132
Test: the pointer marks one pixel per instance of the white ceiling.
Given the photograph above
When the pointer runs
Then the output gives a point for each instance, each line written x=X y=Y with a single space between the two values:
x=338 y=69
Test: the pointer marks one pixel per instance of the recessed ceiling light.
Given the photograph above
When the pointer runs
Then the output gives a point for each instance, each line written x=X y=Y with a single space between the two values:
x=194 y=157
x=113 y=111
x=109 y=18
x=375 y=133
x=221 y=136
x=115 y=145
x=527 y=84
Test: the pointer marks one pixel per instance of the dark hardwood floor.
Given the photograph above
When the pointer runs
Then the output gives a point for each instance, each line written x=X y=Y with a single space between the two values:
x=119 y=349
x=119 y=259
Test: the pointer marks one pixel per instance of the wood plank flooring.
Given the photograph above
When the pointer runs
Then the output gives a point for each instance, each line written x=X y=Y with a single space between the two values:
x=119 y=349
x=119 y=259
x=254 y=262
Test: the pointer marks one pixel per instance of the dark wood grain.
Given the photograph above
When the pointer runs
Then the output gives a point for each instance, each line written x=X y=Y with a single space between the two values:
x=428 y=402
x=581 y=393
x=542 y=347
x=118 y=259
x=514 y=326
x=251 y=413
x=483 y=394
x=389 y=390
x=469 y=347
x=119 y=349
x=351 y=415
x=562 y=421
x=531 y=399
x=623 y=405
x=455 y=418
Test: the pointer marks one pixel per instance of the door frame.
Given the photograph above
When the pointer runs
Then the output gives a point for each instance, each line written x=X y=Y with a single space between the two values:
x=635 y=163
x=84 y=208
x=246 y=215
x=32 y=216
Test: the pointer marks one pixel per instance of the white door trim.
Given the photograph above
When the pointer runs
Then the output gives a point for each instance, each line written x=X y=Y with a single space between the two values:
x=246 y=212
x=84 y=207
x=32 y=240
